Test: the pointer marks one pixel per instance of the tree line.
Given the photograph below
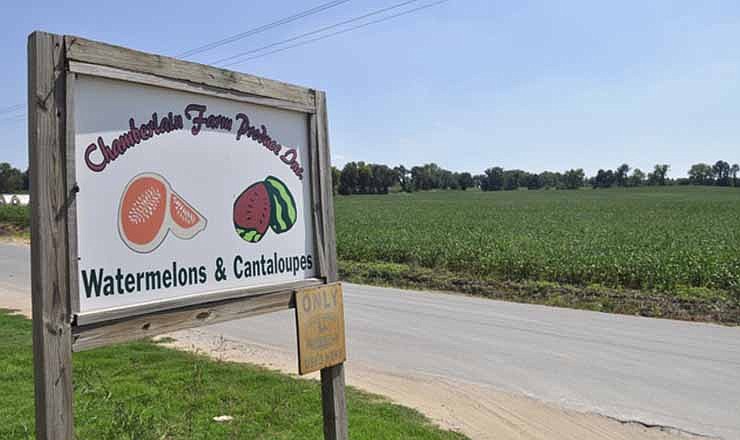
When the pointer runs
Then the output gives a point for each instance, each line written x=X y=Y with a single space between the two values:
x=12 y=180
x=369 y=178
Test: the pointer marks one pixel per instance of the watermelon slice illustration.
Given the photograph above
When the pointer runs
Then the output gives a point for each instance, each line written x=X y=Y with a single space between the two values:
x=283 y=214
x=263 y=205
x=252 y=213
x=149 y=208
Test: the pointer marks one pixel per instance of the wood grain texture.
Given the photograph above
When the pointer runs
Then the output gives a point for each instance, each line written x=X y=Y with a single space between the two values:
x=92 y=52
x=52 y=336
x=71 y=186
x=183 y=86
x=333 y=398
x=106 y=333
x=316 y=207
x=334 y=403
x=325 y=189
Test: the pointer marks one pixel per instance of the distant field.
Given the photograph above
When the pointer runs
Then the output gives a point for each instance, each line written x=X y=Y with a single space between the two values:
x=665 y=239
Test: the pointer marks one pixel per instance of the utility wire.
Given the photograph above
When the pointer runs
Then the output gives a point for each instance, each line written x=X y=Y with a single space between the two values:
x=16 y=118
x=263 y=28
x=302 y=43
x=323 y=37
x=314 y=32
x=210 y=46
x=11 y=109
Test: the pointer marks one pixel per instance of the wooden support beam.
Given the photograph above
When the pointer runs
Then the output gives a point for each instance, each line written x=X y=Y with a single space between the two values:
x=332 y=379
x=52 y=334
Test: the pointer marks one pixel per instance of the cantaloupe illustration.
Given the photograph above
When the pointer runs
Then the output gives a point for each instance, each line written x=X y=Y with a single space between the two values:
x=252 y=213
x=149 y=208
x=186 y=221
x=264 y=204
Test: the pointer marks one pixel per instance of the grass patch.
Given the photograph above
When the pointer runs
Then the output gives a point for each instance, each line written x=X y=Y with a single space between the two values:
x=144 y=391
x=15 y=215
x=685 y=303
x=15 y=222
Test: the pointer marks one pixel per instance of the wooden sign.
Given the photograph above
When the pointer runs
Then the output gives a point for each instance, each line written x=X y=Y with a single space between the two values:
x=167 y=195
x=320 y=322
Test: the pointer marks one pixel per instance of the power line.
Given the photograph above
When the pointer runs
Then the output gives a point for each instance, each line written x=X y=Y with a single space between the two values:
x=314 y=32
x=16 y=118
x=11 y=109
x=302 y=43
x=263 y=28
x=210 y=46
x=323 y=37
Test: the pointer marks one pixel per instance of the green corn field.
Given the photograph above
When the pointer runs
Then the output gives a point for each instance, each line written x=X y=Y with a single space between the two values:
x=656 y=238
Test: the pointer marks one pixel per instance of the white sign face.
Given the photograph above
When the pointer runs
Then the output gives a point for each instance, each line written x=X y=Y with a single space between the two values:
x=182 y=194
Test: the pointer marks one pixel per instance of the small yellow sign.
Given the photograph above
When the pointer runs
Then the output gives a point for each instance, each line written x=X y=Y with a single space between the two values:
x=320 y=317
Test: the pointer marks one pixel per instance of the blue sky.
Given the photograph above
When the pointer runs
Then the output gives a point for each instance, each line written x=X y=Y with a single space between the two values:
x=468 y=84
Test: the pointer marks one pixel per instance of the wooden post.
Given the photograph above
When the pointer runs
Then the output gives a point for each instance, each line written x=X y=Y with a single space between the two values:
x=52 y=336
x=333 y=398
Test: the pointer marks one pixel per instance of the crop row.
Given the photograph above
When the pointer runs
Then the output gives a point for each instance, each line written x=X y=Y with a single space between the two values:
x=652 y=238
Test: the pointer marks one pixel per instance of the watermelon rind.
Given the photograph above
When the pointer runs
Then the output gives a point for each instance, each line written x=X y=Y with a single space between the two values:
x=283 y=213
x=249 y=235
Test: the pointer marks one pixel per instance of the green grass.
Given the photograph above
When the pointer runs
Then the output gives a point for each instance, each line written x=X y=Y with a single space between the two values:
x=669 y=240
x=143 y=391
x=15 y=222
x=15 y=215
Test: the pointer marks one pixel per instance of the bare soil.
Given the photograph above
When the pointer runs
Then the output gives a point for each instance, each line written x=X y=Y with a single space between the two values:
x=477 y=411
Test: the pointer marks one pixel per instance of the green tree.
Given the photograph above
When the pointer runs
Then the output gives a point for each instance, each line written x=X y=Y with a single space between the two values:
x=637 y=177
x=382 y=178
x=426 y=177
x=659 y=175
x=447 y=180
x=514 y=179
x=336 y=175
x=734 y=170
x=573 y=178
x=532 y=181
x=11 y=178
x=701 y=174
x=464 y=180
x=404 y=178
x=604 y=179
x=349 y=179
x=722 y=173
x=548 y=179
x=621 y=175
x=478 y=180
x=364 y=178
x=494 y=180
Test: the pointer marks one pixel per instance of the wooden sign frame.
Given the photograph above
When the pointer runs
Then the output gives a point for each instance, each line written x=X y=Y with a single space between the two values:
x=54 y=61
